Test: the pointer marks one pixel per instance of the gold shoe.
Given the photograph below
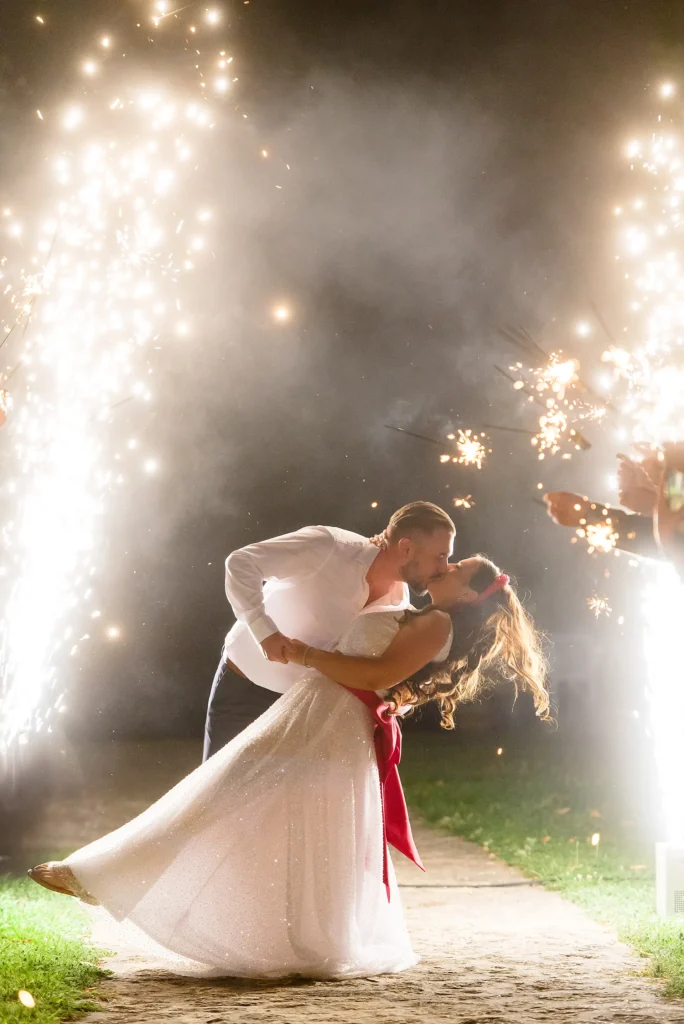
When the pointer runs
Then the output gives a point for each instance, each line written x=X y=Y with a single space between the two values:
x=58 y=877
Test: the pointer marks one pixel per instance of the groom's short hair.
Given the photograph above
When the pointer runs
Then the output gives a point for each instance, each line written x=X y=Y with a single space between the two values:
x=418 y=515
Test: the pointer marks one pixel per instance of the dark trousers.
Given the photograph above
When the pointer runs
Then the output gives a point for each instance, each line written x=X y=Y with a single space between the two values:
x=234 y=704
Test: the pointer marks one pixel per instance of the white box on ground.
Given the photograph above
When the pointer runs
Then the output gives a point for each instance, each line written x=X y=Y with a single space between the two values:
x=670 y=879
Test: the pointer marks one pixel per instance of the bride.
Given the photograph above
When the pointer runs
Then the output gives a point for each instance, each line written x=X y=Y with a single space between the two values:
x=270 y=859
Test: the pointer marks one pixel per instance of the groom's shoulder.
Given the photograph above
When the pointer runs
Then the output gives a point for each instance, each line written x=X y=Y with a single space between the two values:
x=345 y=538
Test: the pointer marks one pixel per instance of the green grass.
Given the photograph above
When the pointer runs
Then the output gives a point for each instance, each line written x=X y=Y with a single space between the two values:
x=537 y=808
x=44 y=950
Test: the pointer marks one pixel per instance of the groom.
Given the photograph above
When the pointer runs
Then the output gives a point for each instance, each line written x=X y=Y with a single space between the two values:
x=316 y=581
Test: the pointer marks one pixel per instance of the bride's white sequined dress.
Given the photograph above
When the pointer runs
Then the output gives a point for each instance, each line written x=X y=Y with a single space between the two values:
x=267 y=860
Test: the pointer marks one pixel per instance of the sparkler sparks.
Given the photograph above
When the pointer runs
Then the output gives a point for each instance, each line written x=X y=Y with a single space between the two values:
x=471 y=450
x=105 y=252
x=649 y=377
x=552 y=428
x=598 y=605
x=599 y=536
x=555 y=386
x=557 y=375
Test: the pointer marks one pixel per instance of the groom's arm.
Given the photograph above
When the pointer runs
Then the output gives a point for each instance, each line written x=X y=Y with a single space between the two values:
x=291 y=556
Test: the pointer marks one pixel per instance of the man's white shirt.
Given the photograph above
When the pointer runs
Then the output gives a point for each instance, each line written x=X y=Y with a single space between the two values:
x=308 y=585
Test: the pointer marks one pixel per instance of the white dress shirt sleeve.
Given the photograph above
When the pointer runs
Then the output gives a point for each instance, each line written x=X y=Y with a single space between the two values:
x=291 y=556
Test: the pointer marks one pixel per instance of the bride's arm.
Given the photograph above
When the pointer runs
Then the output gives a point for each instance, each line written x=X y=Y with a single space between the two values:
x=419 y=639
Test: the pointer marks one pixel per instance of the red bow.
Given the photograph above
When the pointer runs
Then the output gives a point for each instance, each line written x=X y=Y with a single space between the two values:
x=396 y=826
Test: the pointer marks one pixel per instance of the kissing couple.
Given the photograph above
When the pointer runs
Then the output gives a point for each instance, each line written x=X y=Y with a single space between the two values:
x=270 y=859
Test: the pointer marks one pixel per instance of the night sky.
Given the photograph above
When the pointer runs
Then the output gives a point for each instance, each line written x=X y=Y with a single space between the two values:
x=453 y=168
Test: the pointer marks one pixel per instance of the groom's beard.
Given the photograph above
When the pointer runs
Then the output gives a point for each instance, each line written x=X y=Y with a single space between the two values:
x=417 y=583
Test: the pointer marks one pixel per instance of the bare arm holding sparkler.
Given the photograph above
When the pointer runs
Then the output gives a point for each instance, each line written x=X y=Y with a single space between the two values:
x=639 y=487
x=625 y=530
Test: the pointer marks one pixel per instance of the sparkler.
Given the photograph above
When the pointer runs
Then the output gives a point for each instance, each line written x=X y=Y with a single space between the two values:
x=598 y=605
x=600 y=537
x=471 y=450
x=470 y=447
x=98 y=272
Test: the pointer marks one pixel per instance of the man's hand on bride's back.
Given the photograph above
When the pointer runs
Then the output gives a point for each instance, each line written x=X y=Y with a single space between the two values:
x=275 y=647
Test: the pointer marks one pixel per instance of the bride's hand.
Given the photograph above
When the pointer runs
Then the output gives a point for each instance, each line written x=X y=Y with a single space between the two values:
x=294 y=651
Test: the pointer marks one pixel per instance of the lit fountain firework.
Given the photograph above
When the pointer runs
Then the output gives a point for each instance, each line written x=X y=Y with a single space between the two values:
x=650 y=387
x=644 y=395
x=92 y=286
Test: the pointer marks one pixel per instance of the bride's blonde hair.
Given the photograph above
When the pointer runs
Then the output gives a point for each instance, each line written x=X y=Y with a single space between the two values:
x=493 y=639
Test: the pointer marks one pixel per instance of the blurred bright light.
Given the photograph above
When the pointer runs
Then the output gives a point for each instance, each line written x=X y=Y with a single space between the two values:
x=72 y=118
x=664 y=613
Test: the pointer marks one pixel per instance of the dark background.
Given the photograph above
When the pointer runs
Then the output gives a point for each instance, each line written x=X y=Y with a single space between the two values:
x=453 y=167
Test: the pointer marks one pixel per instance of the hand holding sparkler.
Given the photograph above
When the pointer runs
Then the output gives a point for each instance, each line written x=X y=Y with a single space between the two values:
x=567 y=509
x=638 y=483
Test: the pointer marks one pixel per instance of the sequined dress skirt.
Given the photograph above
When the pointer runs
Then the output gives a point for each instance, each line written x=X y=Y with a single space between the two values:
x=266 y=861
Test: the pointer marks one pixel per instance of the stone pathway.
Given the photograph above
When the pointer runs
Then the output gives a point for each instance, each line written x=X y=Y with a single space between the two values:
x=491 y=953
x=507 y=953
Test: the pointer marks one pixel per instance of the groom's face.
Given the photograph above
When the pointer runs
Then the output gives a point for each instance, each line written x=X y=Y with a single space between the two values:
x=426 y=556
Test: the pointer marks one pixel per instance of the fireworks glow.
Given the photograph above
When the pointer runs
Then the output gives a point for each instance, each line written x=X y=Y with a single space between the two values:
x=650 y=374
x=649 y=385
x=663 y=604
x=644 y=389
x=93 y=274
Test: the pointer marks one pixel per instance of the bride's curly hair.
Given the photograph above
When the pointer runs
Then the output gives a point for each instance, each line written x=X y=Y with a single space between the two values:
x=495 y=639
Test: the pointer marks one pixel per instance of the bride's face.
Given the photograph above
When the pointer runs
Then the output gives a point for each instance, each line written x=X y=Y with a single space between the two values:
x=454 y=586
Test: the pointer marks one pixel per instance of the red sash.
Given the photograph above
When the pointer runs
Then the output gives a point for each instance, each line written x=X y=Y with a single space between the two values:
x=396 y=826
